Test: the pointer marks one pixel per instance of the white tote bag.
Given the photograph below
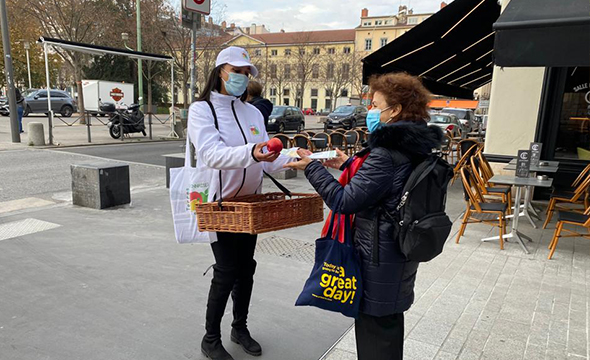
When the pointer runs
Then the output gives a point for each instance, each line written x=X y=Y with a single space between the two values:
x=189 y=187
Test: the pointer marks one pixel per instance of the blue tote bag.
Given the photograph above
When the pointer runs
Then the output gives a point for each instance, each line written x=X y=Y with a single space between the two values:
x=335 y=280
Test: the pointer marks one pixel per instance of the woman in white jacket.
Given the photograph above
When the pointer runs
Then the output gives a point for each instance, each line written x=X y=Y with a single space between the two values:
x=229 y=137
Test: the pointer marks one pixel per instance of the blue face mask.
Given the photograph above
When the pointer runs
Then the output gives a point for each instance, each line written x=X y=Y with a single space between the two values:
x=236 y=84
x=374 y=119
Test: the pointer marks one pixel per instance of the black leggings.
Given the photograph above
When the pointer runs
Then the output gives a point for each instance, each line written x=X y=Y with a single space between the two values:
x=380 y=338
x=233 y=273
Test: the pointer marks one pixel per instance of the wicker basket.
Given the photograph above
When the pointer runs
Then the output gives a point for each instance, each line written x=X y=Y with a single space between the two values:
x=255 y=214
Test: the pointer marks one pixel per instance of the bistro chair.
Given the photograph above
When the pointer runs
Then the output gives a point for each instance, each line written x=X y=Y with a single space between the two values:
x=565 y=197
x=576 y=182
x=462 y=162
x=338 y=140
x=322 y=135
x=309 y=133
x=476 y=204
x=502 y=192
x=446 y=147
x=352 y=142
x=302 y=141
x=464 y=145
x=287 y=142
x=571 y=218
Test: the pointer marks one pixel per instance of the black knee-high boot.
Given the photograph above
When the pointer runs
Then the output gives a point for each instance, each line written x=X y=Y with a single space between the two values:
x=241 y=295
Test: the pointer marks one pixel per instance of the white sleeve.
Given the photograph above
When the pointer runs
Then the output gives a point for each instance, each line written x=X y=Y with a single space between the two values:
x=210 y=149
x=277 y=165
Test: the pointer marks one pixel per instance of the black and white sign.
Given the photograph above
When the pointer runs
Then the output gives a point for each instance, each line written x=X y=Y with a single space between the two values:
x=523 y=163
x=536 y=153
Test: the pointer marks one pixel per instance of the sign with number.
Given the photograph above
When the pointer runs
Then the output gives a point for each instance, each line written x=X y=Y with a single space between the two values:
x=523 y=163
x=199 y=6
x=536 y=153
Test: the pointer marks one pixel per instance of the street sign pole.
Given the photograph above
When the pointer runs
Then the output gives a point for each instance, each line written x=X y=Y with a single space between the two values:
x=194 y=57
x=139 y=64
x=14 y=125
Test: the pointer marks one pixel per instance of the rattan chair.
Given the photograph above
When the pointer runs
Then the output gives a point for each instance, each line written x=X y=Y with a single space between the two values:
x=559 y=198
x=571 y=218
x=446 y=146
x=504 y=193
x=476 y=204
x=338 y=140
x=462 y=161
x=323 y=135
x=352 y=145
x=302 y=141
x=287 y=142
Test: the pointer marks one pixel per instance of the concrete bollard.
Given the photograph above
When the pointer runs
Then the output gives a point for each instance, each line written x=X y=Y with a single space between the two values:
x=36 y=134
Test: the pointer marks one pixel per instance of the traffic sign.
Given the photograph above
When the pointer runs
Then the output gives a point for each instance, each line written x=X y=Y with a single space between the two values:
x=199 y=6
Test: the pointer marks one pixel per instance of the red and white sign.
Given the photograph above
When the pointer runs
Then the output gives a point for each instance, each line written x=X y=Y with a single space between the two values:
x=199 y=6
x=117 y=94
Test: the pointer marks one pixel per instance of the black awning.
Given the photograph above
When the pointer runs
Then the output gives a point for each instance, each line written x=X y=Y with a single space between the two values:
x=451 y=50
x=543 y=33
x=101 y=50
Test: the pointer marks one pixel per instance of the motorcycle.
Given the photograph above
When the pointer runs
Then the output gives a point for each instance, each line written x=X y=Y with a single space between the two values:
x=131 y=119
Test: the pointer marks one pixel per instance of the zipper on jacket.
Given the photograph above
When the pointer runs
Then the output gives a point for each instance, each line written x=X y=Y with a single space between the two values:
x=233 y=109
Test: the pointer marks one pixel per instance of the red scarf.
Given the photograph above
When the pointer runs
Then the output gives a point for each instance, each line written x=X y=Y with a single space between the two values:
x=344 y=180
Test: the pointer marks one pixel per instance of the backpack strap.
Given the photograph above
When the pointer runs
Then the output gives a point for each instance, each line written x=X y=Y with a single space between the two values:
x=216 y=127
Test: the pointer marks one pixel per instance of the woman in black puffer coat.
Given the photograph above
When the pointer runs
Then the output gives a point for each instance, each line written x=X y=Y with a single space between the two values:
x=400 y=139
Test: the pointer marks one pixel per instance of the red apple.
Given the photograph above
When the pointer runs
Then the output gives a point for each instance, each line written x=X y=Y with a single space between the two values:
x=274 y=145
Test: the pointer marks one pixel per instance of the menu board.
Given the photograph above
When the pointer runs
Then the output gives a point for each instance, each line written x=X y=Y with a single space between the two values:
x=523 y=163
x=536 y=153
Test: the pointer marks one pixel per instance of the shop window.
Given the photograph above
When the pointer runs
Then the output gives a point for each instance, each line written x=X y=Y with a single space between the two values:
x=573 y=136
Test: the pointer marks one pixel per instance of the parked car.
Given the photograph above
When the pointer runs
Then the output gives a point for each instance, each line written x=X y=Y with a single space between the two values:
x=285 y=118
x=448 y=122
x=323 y=112
x=466 y=116
x=309 y=111
x=347 y=116
x=4 y=109
x=61 y=102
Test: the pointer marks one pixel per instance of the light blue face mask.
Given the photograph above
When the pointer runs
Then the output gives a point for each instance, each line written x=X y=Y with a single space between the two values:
x=236 y=84
x=374 y=119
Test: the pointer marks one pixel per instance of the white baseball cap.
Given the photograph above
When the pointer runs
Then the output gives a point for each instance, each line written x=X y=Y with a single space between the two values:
x=236 y=56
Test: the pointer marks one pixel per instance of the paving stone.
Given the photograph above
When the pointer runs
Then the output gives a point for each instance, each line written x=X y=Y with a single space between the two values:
x=417 y=350
x=338 y=354
x=500 y=348
x=431 y=331
x=577 y=343
x=445 y=356
x=534 y=352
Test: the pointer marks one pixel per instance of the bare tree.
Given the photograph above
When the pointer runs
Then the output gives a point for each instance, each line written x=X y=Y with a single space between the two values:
x=356 y=81
x=337 y=74
x=76 y=21
x=279 y=78
x=304 y=59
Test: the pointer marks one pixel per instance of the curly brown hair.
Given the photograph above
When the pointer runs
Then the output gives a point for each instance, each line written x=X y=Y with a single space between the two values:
x=403 y=89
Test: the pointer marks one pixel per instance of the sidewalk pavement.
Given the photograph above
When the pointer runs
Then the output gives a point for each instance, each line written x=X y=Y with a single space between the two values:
x=81 y=283
x=77 y=135
x=476 y=301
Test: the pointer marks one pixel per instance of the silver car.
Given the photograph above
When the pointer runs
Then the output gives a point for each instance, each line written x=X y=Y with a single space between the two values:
x=447 y=122
x=61 y=102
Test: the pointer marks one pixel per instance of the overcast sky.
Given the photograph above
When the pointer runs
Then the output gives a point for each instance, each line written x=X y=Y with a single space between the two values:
x=296 y=15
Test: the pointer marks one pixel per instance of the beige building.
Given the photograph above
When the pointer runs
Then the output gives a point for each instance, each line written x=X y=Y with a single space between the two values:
x=374 y=32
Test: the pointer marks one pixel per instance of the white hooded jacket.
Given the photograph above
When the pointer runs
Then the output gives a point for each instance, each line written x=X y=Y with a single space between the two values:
x=225 y=151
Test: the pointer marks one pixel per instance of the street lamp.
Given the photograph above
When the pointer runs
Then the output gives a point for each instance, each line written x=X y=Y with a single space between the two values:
x=27 y=46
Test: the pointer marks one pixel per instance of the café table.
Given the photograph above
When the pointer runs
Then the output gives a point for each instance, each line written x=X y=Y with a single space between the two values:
x=551 y=167
x=518 y=183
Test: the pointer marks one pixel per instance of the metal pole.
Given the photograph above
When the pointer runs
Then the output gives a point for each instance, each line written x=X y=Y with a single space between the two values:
x=50 y=119
x=29 y=69
x=173 y=119
x=12 y=105
x=150 y=123
x=88 y=117
x=194 y=57
x=139 y=65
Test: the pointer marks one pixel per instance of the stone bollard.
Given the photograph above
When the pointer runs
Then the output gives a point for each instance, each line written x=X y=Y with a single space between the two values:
x=36 y=134
x=100 y=185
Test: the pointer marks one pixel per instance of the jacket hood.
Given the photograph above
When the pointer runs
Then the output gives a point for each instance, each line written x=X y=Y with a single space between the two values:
x=409 y=138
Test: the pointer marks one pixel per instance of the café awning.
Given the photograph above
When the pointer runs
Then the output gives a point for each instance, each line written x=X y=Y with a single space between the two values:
x=451 y=50
x=546 y=33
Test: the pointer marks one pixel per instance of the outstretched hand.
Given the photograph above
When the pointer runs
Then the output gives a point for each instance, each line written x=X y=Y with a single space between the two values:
x=302 y=163
x=337 y=162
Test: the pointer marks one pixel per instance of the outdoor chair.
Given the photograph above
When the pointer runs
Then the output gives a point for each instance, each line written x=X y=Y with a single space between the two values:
x=463 y=146
x=352 y=142
x=571 y=218
x=560 y=198
x=322 y=135
x=502 y=192
x=309 y=133
x=338 y=140
x=462 y=161
x=287 y=143
x=576 y=182
x=477 y=205
x=363 y=137
x=303 y=142
x=446 y=147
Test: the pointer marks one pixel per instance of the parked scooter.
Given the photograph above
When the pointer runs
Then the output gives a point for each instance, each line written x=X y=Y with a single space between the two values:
x=131 y=119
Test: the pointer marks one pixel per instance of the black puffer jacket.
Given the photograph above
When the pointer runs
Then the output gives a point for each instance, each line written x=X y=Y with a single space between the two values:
x=388 y=287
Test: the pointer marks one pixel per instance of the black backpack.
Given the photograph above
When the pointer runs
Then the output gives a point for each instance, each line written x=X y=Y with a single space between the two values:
x=422 y=224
